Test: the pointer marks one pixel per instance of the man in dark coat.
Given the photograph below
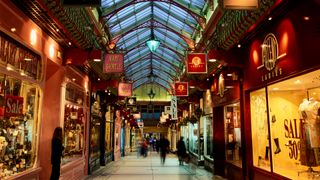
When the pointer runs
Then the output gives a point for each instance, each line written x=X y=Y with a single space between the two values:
x=164 y=148
x=181 y=150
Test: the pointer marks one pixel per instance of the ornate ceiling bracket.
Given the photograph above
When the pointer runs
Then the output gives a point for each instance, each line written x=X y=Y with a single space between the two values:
x=156 y=24
x=199 y=18
x=75 y=20
x=235 y=23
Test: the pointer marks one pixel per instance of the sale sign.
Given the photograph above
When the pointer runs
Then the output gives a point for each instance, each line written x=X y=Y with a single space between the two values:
x=125 y=89
x=197 y=63
x=14 y=106
x=181 y=88
x=113 y=63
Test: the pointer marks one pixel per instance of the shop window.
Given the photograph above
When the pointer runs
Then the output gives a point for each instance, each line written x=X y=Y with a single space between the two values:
x=96 y=117
x=109 y=129
x=294 y=122
x=233 y=134
x=193 y=138
x=208 y=137
x=74 y=119
x=19 y=120
x=259 y=127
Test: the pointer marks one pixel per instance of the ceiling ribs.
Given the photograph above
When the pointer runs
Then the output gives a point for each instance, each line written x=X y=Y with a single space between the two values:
x=199 y=18
x=156 y=24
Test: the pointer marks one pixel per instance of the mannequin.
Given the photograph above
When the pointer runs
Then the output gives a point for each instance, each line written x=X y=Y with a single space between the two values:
x=310 y=131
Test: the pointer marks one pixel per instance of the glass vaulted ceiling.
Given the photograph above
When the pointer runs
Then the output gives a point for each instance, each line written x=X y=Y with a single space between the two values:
x=173 y=23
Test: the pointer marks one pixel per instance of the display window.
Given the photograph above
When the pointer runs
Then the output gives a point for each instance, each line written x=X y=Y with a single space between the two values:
x=109 y=127
x=293 y=119
x=233 y=134
x=208 y=137
x=193 y=138
x=74 y=119
x=95 y=129
x=19 y=121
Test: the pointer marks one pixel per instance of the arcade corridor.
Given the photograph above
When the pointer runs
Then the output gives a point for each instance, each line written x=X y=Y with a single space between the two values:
x=149 y=168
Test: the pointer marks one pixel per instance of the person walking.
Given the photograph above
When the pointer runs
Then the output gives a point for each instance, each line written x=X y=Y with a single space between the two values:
x=181 y=150
x=164 y=148
x=56 y=153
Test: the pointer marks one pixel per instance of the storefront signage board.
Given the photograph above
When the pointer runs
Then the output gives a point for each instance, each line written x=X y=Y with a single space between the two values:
x=14 y=106
x=19 y=58
x=125 y=89
x=113 y=63
x=82 y=3
x=197 y=63
x=240 y=4
x=181 y=88
x=174 y=108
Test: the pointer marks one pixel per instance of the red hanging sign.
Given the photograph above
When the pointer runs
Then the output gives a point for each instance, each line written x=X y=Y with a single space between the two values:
x=197 y=63
x=14 y=106
x=125 y=89
x=181 y=88
x=113 y=63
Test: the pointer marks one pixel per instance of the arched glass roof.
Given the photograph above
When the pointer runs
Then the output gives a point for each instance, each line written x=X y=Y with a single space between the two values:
x=174 y=24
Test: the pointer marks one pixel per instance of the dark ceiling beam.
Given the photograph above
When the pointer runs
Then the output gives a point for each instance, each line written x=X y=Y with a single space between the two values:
x=192 y=26
x=169 y=36
x=163 y=45
x=156 y=24
x=199 y=18
x=129 y=15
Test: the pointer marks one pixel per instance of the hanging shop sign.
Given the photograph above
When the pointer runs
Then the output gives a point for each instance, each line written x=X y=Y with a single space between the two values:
x=19 y=58
x=270 y=58
x=197 y=63
x=174 y=108
x=240 y=4
x=82 y=3
x=167 y=109
x=125 y=89
x=181 y=88
x=14 y=106
x=131 y=101
x=113 y=63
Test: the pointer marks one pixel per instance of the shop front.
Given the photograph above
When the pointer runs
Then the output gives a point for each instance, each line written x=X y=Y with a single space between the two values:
x=25 y=52
x=20 y=109
x=109 y=135
x=75 y=106
x=283 y=99
x=208 y=130
x=95 y=133
x=227 y=124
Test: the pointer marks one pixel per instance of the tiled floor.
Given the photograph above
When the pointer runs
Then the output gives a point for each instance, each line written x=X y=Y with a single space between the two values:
x=133 y=168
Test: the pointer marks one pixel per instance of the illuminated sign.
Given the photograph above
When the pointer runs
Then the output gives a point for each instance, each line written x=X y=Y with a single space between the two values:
x=125 y=89
x=181 y=88
x=240 y=4
x=197 y=63
x=113 y=63
x=14 y=106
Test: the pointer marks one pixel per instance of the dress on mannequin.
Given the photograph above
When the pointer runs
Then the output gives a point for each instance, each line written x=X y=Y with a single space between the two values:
x=310 y=131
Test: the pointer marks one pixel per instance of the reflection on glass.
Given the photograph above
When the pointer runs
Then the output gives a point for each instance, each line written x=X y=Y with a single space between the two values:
x=233 y=134
x=193 y=138
x=259 y=127
x=208 y=137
